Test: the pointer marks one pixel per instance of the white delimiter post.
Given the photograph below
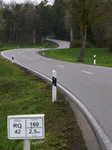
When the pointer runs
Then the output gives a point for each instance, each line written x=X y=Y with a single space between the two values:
x=94 y=59
x=54 y=85
x=12 y=58
x=26 y=144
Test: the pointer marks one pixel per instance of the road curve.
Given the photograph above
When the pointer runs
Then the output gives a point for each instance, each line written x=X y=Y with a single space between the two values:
x=89 y=86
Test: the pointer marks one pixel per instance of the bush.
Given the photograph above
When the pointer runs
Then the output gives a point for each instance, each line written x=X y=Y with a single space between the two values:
x=78 y=44
x=75 y=44
x=110 y=47
x=1 y=45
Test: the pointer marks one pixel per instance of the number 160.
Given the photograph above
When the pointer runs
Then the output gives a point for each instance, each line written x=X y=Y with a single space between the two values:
x=34 y=124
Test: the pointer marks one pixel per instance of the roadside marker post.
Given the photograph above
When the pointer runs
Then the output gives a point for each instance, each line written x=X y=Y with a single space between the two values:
x=17 y=45
x=12 y=58
x=43 y=52
x=26 y=127
x=94 y=59
x=54 y=85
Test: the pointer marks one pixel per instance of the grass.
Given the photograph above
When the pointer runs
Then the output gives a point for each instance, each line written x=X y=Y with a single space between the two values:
x=103 y=56
x=23 y=93
x=46 y=44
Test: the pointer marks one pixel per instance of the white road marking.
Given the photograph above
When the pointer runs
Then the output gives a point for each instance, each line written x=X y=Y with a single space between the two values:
x=42 y=61
x=23 y=56
x=61 y=66
x=31 y=58
x=87 y=72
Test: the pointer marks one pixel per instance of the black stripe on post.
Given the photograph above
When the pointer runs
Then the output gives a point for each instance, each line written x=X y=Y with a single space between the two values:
x=54 y=81
x=94 y=57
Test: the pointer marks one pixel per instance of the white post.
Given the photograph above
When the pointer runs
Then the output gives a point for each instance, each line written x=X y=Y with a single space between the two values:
x=94 y=59
x=26 y=144
x=12 y=58
x=54 y=85
x=43 y=52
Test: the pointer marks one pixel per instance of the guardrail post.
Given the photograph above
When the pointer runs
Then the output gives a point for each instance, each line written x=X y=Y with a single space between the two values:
x=54 y=85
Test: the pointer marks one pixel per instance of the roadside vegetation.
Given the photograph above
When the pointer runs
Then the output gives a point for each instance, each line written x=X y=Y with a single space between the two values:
x=45 y=44
x=103 y=55
x=21 y=92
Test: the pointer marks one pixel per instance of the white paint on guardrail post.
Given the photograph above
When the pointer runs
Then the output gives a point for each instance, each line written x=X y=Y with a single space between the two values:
x=54 y=85
x=94 y=59
x=26 y=127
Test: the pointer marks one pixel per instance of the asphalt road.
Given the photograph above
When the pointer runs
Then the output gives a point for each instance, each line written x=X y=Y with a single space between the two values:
x=88 y=85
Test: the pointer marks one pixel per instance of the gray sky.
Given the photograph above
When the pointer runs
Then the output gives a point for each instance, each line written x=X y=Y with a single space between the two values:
x=22 y=1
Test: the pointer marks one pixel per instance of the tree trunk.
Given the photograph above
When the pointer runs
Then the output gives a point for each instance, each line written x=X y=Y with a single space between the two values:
x=34 y=36
x=71 y=34
x=84 y=38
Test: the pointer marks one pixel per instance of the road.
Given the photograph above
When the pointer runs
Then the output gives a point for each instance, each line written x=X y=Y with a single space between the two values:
x=88 y=85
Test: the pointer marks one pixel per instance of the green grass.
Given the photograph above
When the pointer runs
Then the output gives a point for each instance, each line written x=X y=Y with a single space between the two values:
x=46 y=44
x=103 y=56
x=23 y=93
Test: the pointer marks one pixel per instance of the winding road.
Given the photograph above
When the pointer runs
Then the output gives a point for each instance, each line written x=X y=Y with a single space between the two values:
x=89 y=86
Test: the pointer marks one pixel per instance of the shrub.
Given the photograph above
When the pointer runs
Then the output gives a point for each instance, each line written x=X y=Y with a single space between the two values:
x=1 y=45
x=110 y=47
x=78 y=44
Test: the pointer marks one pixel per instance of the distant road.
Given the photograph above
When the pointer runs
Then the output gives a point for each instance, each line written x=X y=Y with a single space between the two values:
x=90 y=86
x=62 y=44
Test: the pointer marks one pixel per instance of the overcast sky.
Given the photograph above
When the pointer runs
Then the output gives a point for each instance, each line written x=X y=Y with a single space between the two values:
x=22 y=1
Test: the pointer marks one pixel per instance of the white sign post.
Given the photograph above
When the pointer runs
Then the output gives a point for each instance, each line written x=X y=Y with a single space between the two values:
x=54 y=85
x=26 y=127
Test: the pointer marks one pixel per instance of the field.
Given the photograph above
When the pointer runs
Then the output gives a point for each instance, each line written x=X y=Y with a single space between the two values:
x=103 y=56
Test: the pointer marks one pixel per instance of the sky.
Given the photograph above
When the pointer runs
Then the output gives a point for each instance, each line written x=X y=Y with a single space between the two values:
x=22 y=1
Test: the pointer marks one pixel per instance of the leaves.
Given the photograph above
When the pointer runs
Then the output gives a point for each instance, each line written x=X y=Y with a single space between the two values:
x=24 y=23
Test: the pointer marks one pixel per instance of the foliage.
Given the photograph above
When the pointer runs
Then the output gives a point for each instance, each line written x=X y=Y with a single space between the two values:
x=1 y=45
x=23 y=23
x=86 y=12
x=78 y=44
x=45 y=44
x=29 y=23
x=58 y=22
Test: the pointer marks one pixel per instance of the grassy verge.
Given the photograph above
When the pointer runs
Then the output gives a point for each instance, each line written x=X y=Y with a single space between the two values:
x=103 y=56
x=23 y=93
x=46 y=44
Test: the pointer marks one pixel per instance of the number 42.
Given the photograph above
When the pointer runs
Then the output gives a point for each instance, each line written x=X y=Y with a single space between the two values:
x=18 y=131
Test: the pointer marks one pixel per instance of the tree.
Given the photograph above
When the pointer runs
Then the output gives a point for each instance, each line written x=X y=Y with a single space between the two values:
x=44 y=15
x=58 y=22
x=24 y=23
x=85 y=13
